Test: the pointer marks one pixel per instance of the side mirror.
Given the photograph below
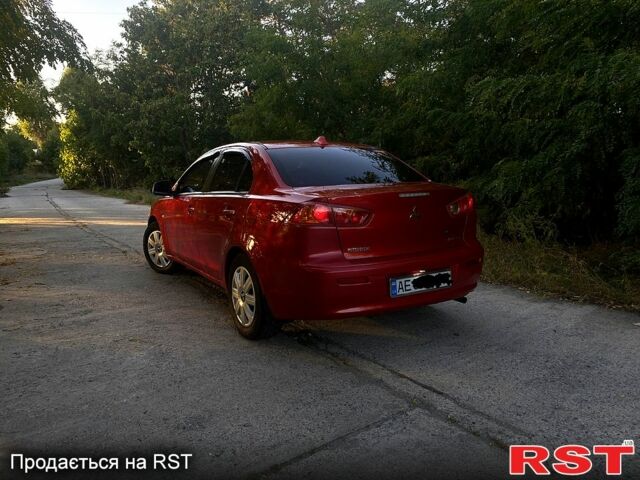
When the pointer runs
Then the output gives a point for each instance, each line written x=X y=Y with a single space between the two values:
x=162 y=188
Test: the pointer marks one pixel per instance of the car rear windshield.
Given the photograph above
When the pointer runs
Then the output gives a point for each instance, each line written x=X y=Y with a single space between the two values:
x=315 y=166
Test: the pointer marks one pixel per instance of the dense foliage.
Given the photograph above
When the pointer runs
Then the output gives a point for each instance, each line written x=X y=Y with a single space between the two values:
x=532 y=104
x=31 y=35
x=16 y=152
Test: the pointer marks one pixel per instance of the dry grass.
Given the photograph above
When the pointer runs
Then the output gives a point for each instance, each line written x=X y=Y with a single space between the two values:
x=594 y=274
x=137 y=195
x=28 y=176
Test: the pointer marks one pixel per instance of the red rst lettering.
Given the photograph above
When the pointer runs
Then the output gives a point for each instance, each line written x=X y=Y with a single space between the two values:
x=534 y=456
x=572 y=460
x=613 y=456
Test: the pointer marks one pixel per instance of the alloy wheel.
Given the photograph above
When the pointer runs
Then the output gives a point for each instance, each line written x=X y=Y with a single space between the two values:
x=155 y=248
x=243 y=296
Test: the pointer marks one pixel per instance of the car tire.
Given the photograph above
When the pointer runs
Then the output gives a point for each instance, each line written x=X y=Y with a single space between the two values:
x=154 y=251
x=249 y=309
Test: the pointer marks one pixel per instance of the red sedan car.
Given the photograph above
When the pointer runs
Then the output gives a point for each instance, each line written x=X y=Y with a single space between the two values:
x=315 y=230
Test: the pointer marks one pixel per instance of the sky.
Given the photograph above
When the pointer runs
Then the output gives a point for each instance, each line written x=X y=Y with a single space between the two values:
x=98 y=21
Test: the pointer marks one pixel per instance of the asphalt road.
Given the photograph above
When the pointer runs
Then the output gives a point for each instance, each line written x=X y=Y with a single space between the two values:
x=100 y=355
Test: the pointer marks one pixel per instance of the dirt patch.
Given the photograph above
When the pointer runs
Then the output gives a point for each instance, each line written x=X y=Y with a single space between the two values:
x=20 y=254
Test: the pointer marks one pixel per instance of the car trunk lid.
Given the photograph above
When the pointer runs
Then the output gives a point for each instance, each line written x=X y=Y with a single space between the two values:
x=405 y=218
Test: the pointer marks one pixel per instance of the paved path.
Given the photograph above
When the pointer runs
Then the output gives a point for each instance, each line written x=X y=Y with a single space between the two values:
x=101 y=355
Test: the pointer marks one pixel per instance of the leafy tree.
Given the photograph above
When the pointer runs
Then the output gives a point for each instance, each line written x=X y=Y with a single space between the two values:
x=533 y=103
x=77 y=165
x=180 y=66
x=4 y=157
x=16 y=152
x=35 y=110
x=323 y=67
x=95 y=136
x=32 y=35
x=629 y=196
x=49 y=154
x=162 y=97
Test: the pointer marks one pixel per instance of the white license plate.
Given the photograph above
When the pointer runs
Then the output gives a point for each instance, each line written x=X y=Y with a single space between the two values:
x=420 y=282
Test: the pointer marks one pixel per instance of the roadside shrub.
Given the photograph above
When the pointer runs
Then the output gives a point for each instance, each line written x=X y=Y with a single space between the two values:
x=4 y=158
x=49 y=154
x=19 y=151
x=76 y=167
x=629 y=197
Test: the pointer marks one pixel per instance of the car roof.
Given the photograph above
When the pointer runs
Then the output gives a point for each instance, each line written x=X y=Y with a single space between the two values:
x=270 y=145
x=273 y=145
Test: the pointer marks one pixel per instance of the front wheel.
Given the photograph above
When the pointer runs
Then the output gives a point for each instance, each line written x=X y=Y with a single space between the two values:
x=154 y=250
x=249 y=309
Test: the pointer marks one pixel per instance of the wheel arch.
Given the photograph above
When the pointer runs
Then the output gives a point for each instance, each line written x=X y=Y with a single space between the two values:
x=231 y=255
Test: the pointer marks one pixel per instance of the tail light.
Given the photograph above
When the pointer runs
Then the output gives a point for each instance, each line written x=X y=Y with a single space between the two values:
x=461 y=205
x=350 y=217
x=320 y=214
x=313 y=214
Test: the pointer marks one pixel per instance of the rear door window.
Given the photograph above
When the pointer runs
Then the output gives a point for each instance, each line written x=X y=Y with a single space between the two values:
x=233 y=174
x=314 y=166
x=246 y=178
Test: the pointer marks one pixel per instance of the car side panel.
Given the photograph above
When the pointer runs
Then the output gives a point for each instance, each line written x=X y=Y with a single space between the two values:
x=275 y=245
x=170 y=213
x=220 y=219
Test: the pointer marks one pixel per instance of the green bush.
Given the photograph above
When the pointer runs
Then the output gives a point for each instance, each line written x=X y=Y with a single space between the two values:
x=49 y=154
x=76 y=166
x=629 y=197
x=4 y=158
x=19 y=151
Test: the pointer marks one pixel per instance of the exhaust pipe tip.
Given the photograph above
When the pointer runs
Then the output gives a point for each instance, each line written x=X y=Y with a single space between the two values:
x=461 y=299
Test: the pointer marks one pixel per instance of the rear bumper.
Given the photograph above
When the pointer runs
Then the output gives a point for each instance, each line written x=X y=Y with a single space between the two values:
x=350 y=289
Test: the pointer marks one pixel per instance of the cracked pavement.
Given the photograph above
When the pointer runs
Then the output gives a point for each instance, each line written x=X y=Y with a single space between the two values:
x=100 y=355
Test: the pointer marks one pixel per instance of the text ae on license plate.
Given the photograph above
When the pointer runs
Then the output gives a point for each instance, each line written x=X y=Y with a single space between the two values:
x=420 y=282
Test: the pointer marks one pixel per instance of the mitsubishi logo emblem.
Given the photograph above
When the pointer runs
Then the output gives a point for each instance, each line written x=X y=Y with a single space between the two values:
x=415 y=214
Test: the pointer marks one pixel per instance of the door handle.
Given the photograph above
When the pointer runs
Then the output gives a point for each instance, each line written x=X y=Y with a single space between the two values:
x=190 y=210
x=227 y=212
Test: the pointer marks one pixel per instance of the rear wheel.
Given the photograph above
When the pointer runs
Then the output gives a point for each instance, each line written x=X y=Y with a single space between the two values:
x=154 y=250
x=249 y=309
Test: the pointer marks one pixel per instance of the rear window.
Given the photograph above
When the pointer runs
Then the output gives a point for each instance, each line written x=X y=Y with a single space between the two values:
x=314 y=166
